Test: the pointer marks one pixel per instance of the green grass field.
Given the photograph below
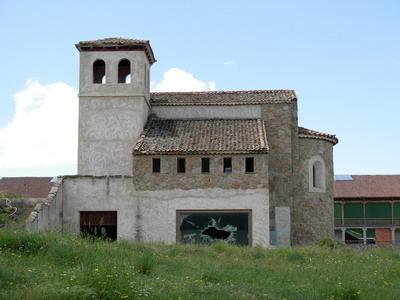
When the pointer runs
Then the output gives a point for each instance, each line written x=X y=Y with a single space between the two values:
x=49 y=266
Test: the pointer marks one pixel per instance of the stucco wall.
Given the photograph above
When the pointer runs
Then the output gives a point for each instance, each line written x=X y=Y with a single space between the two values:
x=108 y=130
x=208 y=112
x=112 y=88
x=313 y=211
x=168 y=178
x=151 y=215
x=111 y=115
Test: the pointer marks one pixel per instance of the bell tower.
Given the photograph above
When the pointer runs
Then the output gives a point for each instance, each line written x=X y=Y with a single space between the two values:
x=114 y=102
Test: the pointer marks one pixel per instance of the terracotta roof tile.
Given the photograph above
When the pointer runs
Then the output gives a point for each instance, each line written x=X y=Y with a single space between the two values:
x=31 y=187
x=162 y=136
x=117 y=43
x=223 y=97
x=368 y=186
x=305 y=133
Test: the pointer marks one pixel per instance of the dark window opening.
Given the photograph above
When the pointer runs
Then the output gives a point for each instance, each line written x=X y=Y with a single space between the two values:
x=314 y=183
x=156 y=165
x=249 y=164
x=227 y=165
x=99 y=224
x=99 y=71
x=99 y=232
x=205 y=165
x=206 y=227
x=181 y=165
x=124 y=71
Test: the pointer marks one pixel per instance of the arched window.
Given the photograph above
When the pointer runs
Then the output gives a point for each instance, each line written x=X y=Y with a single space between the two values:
x=316 y=174
x=99 y=71
x=124 y=71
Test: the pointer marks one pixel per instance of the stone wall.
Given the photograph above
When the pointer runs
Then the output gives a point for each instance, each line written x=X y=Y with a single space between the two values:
x=281 y=128
x=313 y=217
x=168 y=178
x=150 y=216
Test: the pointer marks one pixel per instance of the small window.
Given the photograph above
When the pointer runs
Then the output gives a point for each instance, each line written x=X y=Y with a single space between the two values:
x=181 y=165
x=124 y=71
x=249 y=164
x=316 y=174
x=156 y=165
x=99 y=71
x=205 y=165
x=227 y=165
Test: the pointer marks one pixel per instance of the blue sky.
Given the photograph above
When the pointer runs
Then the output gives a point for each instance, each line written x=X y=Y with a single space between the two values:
x=341 y=57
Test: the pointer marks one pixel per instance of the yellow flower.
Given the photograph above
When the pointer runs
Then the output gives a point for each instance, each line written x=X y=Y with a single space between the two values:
x=124 y=296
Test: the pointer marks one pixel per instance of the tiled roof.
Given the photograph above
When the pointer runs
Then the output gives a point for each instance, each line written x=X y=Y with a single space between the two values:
x=305 y=133
x=368 y=186
x=223 y=97
x=236 y=136
x=31 y=187
x=117 y=43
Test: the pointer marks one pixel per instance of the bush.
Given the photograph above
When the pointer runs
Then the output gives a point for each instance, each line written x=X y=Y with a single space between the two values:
x=4 y=218
x=145 y=263
x=23 y=242
x=295 y=256
x=348 y=293
x=330 y=243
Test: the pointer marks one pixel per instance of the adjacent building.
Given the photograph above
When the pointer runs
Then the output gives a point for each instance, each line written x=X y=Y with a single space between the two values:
x=367 y=209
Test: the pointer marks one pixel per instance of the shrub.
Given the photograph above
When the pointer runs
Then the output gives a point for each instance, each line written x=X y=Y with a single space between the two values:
x=4 y=218
x=330 y=243
x=23 y=242
x=145 y=263
x=347 y=293
x=295 y=256
x=211 y=276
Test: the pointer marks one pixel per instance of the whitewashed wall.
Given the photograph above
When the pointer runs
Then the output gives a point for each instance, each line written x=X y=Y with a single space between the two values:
x=152 y=214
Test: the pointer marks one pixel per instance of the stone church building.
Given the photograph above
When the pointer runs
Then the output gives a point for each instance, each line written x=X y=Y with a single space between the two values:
x=188 y=166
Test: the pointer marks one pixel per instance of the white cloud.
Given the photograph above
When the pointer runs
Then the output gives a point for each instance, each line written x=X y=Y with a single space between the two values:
x=229 y=63
x=177 y=80
x=42 y=137
x=43 y=133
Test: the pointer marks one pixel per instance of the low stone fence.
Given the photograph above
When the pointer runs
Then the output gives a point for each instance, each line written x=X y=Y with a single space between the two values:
x=47 y=214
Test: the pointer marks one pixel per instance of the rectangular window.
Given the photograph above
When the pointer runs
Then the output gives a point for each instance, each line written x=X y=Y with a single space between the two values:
x=181 y=165
x=205 y=165
x=227 y=164
x=249 y=164
x=101 y=224
x=206 y=227
x=156 y=165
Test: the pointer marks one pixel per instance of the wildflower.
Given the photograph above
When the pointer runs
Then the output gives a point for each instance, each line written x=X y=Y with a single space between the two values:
x=124 y=296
